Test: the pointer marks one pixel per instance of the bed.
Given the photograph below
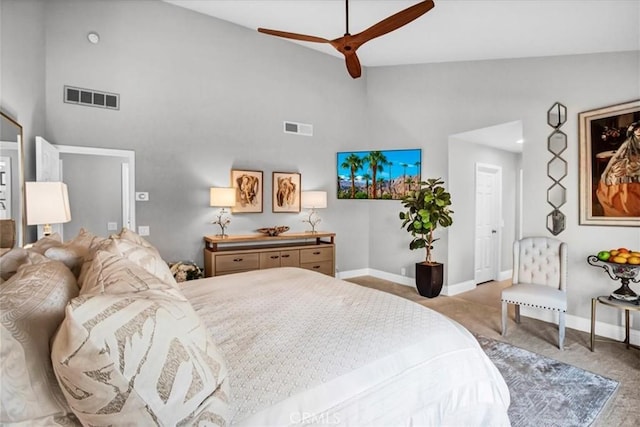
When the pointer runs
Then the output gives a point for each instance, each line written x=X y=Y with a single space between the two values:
x=124 y=344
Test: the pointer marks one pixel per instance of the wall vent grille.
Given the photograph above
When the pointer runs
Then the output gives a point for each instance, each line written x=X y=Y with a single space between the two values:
x=91 y=98
x=298 y=128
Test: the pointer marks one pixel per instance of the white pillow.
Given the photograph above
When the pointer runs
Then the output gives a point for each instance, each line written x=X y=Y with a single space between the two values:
x=133 y=247
x=12 y=260
x=113 y=274
x=32 y=304
x=140 y=357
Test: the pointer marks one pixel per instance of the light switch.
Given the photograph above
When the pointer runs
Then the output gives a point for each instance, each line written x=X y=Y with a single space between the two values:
x=142 y=196
x=112 y=226
x=143 y=230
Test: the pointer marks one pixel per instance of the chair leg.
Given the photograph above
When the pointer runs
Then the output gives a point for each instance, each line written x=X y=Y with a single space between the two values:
x=561 y=331
x=504 y=318
x=517 y=313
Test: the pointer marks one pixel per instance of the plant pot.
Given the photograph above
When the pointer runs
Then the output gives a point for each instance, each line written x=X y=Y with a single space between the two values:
x=429 y=279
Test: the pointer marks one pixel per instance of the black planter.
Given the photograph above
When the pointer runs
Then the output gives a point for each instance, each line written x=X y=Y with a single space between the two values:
x=429 y=279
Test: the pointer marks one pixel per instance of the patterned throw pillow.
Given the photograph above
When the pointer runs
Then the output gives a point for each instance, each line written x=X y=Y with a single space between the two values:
x=133 y=247
x=113 y=274
x=32 y=305
x=142 y=357
x=12 y=260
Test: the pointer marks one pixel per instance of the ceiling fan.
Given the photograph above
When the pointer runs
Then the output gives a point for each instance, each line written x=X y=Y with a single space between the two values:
x=348 y=44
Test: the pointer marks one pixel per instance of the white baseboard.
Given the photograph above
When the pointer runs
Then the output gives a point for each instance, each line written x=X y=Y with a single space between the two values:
x=607 y=330
x=504 y=275
x=458 y=288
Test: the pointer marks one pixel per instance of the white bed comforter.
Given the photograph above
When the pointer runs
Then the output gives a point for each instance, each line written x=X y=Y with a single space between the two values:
x=305 y=348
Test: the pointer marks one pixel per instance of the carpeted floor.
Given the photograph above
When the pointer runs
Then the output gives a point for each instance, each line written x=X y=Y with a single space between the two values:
x=545 y=392
x=479 y=312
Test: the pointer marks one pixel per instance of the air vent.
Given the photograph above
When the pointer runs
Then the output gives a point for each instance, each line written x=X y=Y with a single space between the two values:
x=91 y=98
x=298 y=128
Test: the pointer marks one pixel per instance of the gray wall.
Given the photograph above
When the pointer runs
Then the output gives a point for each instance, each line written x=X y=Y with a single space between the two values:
x=22 y=72
x=422 y=105
x=201 y=96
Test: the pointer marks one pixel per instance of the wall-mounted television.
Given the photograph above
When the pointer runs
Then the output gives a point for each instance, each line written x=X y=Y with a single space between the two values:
x=381 y=175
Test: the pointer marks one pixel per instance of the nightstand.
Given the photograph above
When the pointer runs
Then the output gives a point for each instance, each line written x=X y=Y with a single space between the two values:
x=618 y=304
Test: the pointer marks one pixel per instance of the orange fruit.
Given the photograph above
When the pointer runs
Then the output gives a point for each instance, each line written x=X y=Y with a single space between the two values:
x=636 y=254
x=623 y=250
x=614 y=252
x=625 y=255
x=634 y=260
x=619 y=260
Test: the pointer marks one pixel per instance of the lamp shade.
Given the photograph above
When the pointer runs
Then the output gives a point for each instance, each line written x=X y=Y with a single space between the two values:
x=314 y=199
x=47 y=203
x=222 y=197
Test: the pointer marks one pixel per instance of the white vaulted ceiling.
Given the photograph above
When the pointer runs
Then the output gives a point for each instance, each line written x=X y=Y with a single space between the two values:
x=454 y=30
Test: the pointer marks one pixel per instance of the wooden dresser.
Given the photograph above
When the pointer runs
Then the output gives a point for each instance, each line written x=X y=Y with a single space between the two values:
x=237 y=253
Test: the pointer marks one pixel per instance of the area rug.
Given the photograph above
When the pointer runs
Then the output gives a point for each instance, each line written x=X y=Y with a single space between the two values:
x=546 y=392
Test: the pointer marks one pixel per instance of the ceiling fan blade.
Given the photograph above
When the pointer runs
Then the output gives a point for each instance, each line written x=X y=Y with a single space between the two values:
x=294 y=36
x=393 y=22
x=353 y=64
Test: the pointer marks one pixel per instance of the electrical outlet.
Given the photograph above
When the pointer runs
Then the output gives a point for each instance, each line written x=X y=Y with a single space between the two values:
x=403 y=271
x=112 y=226
x=143 y=230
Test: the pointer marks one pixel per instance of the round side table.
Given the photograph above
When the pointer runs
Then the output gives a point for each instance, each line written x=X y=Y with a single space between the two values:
x=618 y=304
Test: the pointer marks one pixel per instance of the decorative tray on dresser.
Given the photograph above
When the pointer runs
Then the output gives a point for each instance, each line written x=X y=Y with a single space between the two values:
x=237 y=253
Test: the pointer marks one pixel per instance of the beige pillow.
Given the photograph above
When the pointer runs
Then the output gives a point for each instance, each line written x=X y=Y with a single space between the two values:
x=133 y=247
x=113 y=274
x=12 y=260
x=139 y=358
x=32 y=306
x=45 y=243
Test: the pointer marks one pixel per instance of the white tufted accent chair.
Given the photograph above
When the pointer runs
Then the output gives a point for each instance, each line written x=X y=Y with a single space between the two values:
x=539 y=279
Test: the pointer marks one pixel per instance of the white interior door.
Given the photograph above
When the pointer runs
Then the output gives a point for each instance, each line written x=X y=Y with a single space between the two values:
x=48 y=169
x=488 y=195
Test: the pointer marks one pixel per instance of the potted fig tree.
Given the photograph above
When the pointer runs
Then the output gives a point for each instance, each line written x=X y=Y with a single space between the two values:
x=427 y=208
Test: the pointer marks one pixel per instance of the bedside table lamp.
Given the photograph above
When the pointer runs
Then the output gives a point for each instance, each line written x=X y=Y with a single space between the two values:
x=222 y=198
x=47 y=203
x=313 y=200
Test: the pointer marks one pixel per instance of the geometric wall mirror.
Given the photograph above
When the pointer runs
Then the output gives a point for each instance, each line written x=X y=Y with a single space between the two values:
x=556 y=168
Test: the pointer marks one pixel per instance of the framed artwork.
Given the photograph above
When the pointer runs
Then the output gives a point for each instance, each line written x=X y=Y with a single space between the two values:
x=286 y=192
x=610 y=165
x=248 y=185
x=382 y=175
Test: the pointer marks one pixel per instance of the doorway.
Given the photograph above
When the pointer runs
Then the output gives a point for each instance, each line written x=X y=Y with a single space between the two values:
x=101 y=185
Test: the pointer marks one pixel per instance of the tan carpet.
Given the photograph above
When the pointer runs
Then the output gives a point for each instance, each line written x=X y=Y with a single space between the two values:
x=479 y=311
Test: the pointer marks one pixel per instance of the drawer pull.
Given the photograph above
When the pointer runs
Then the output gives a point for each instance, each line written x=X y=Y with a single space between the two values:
x=315 y=267
x=317 y=253
x=237 y=260
x=274 y=256
x=286 y=256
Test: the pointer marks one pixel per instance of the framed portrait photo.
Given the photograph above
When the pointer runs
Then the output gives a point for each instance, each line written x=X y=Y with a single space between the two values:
x=610 y=165
x=286 y=192
x=248 y=185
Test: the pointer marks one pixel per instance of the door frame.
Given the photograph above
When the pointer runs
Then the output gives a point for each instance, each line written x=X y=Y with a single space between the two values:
x=128 y=176
x=497 y=170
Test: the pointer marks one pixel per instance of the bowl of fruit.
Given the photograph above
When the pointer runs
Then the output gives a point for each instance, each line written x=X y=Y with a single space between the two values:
x=620 y=264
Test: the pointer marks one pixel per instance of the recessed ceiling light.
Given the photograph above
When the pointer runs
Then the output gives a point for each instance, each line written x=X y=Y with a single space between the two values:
x=93 y=37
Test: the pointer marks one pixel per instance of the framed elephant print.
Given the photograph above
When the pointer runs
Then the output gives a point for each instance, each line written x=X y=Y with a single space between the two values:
x=248 y=185
x=286 y=192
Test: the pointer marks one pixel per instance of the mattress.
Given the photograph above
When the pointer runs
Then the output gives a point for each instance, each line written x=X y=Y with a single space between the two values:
x=306 y=348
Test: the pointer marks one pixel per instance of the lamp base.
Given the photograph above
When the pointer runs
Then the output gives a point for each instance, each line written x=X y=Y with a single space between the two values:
x=47 y=230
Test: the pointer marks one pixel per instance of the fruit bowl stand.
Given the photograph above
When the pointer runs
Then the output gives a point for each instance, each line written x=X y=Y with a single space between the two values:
x=625 y=273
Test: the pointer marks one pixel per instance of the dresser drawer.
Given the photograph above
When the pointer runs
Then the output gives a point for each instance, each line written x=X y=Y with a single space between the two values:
x=269 y=259
x=316 y=254
x=237 y=262
x=324 y=267
x=290 y=258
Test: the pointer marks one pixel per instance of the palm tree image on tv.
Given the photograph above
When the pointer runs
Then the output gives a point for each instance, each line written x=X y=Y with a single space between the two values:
x=382 y=174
